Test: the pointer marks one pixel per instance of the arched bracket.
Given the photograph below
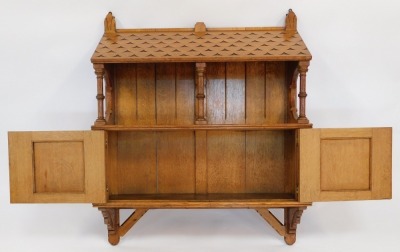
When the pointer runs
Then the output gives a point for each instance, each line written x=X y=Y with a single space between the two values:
x=115 y=230
x=293 y=76
x=288 y=229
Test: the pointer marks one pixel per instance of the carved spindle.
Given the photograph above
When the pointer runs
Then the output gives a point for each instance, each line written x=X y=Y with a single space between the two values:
x=99 y=71
x=200 y=94
x=292 y=218
x=303 y=68
x=111 y=219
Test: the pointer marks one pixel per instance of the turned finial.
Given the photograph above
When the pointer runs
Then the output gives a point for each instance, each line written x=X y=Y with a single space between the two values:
x=200 y=29
x=109 y=24
x=291 y=24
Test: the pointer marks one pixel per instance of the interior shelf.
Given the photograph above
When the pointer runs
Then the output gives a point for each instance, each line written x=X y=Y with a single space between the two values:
x=206 y=197
x=215 y=200
x=283 y=126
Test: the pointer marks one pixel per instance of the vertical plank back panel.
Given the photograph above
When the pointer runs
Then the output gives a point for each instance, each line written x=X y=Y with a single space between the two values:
x=175 y=162
x=146 y=98
x=185 y=91
x=125 y=92
x=216 y=93
x=255 y=93
x=276 y=92
x=137 y=162
x=226 y=161
x=201 y=161
x=235 y=93
x=265 y=162
x=166 y=93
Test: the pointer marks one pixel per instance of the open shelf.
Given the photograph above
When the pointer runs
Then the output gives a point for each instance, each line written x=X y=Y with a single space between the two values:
x=283 y=126
x=215 y=200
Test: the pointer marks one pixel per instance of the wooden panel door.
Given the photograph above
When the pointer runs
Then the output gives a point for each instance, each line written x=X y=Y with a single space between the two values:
x=345 y=164
x=57 y=167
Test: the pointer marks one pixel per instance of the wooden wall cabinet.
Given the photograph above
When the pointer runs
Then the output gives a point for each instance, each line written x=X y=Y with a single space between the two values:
x=201 y=118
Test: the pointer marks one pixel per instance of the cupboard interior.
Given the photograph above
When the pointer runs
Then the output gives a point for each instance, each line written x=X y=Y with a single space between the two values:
x=193 y=164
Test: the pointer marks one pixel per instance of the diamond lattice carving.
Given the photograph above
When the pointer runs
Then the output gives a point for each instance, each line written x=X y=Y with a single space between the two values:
x=217 y=45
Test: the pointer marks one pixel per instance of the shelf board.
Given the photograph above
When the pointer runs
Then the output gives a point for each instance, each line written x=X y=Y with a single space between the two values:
x=283 y=126
x=234 y=200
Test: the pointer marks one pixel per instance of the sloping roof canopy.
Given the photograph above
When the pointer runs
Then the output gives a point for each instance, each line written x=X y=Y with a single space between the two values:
x=201 y=44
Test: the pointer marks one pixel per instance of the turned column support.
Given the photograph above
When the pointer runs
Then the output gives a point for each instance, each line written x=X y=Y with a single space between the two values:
x=200 y=94
x=99 y=71
x=115 y=230
x=303 y=68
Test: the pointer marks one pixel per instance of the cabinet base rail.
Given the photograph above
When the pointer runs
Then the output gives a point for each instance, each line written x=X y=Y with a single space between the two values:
x=292 y=216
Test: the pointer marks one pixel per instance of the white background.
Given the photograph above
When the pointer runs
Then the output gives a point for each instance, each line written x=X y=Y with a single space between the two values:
x=47 y=83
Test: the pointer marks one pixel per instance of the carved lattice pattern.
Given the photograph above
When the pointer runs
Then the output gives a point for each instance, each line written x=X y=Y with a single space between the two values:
x=157 y=46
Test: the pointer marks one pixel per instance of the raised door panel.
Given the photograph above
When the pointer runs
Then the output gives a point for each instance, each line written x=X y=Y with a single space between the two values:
x=345 y=164
x=57 y=167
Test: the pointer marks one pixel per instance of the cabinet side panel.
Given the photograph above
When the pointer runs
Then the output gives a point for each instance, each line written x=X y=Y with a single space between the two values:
x=136 y=162
x=176 y=162
x=21 y=170
x=309 y=165
x=291 y=159
x=382 y=163
x=276 y=92
x=94 y=158
x=111 y=162
x=146 y=94
x=226 y=162
x=216 y=96
x=235 y=93
x=255 y=93
x=125 y=92
x=265 y=162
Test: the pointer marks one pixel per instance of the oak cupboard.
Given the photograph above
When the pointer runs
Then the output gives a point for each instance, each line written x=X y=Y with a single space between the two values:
x=201 y=118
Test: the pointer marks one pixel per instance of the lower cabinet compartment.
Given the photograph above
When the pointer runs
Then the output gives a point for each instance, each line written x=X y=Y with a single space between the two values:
x=202 y=165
